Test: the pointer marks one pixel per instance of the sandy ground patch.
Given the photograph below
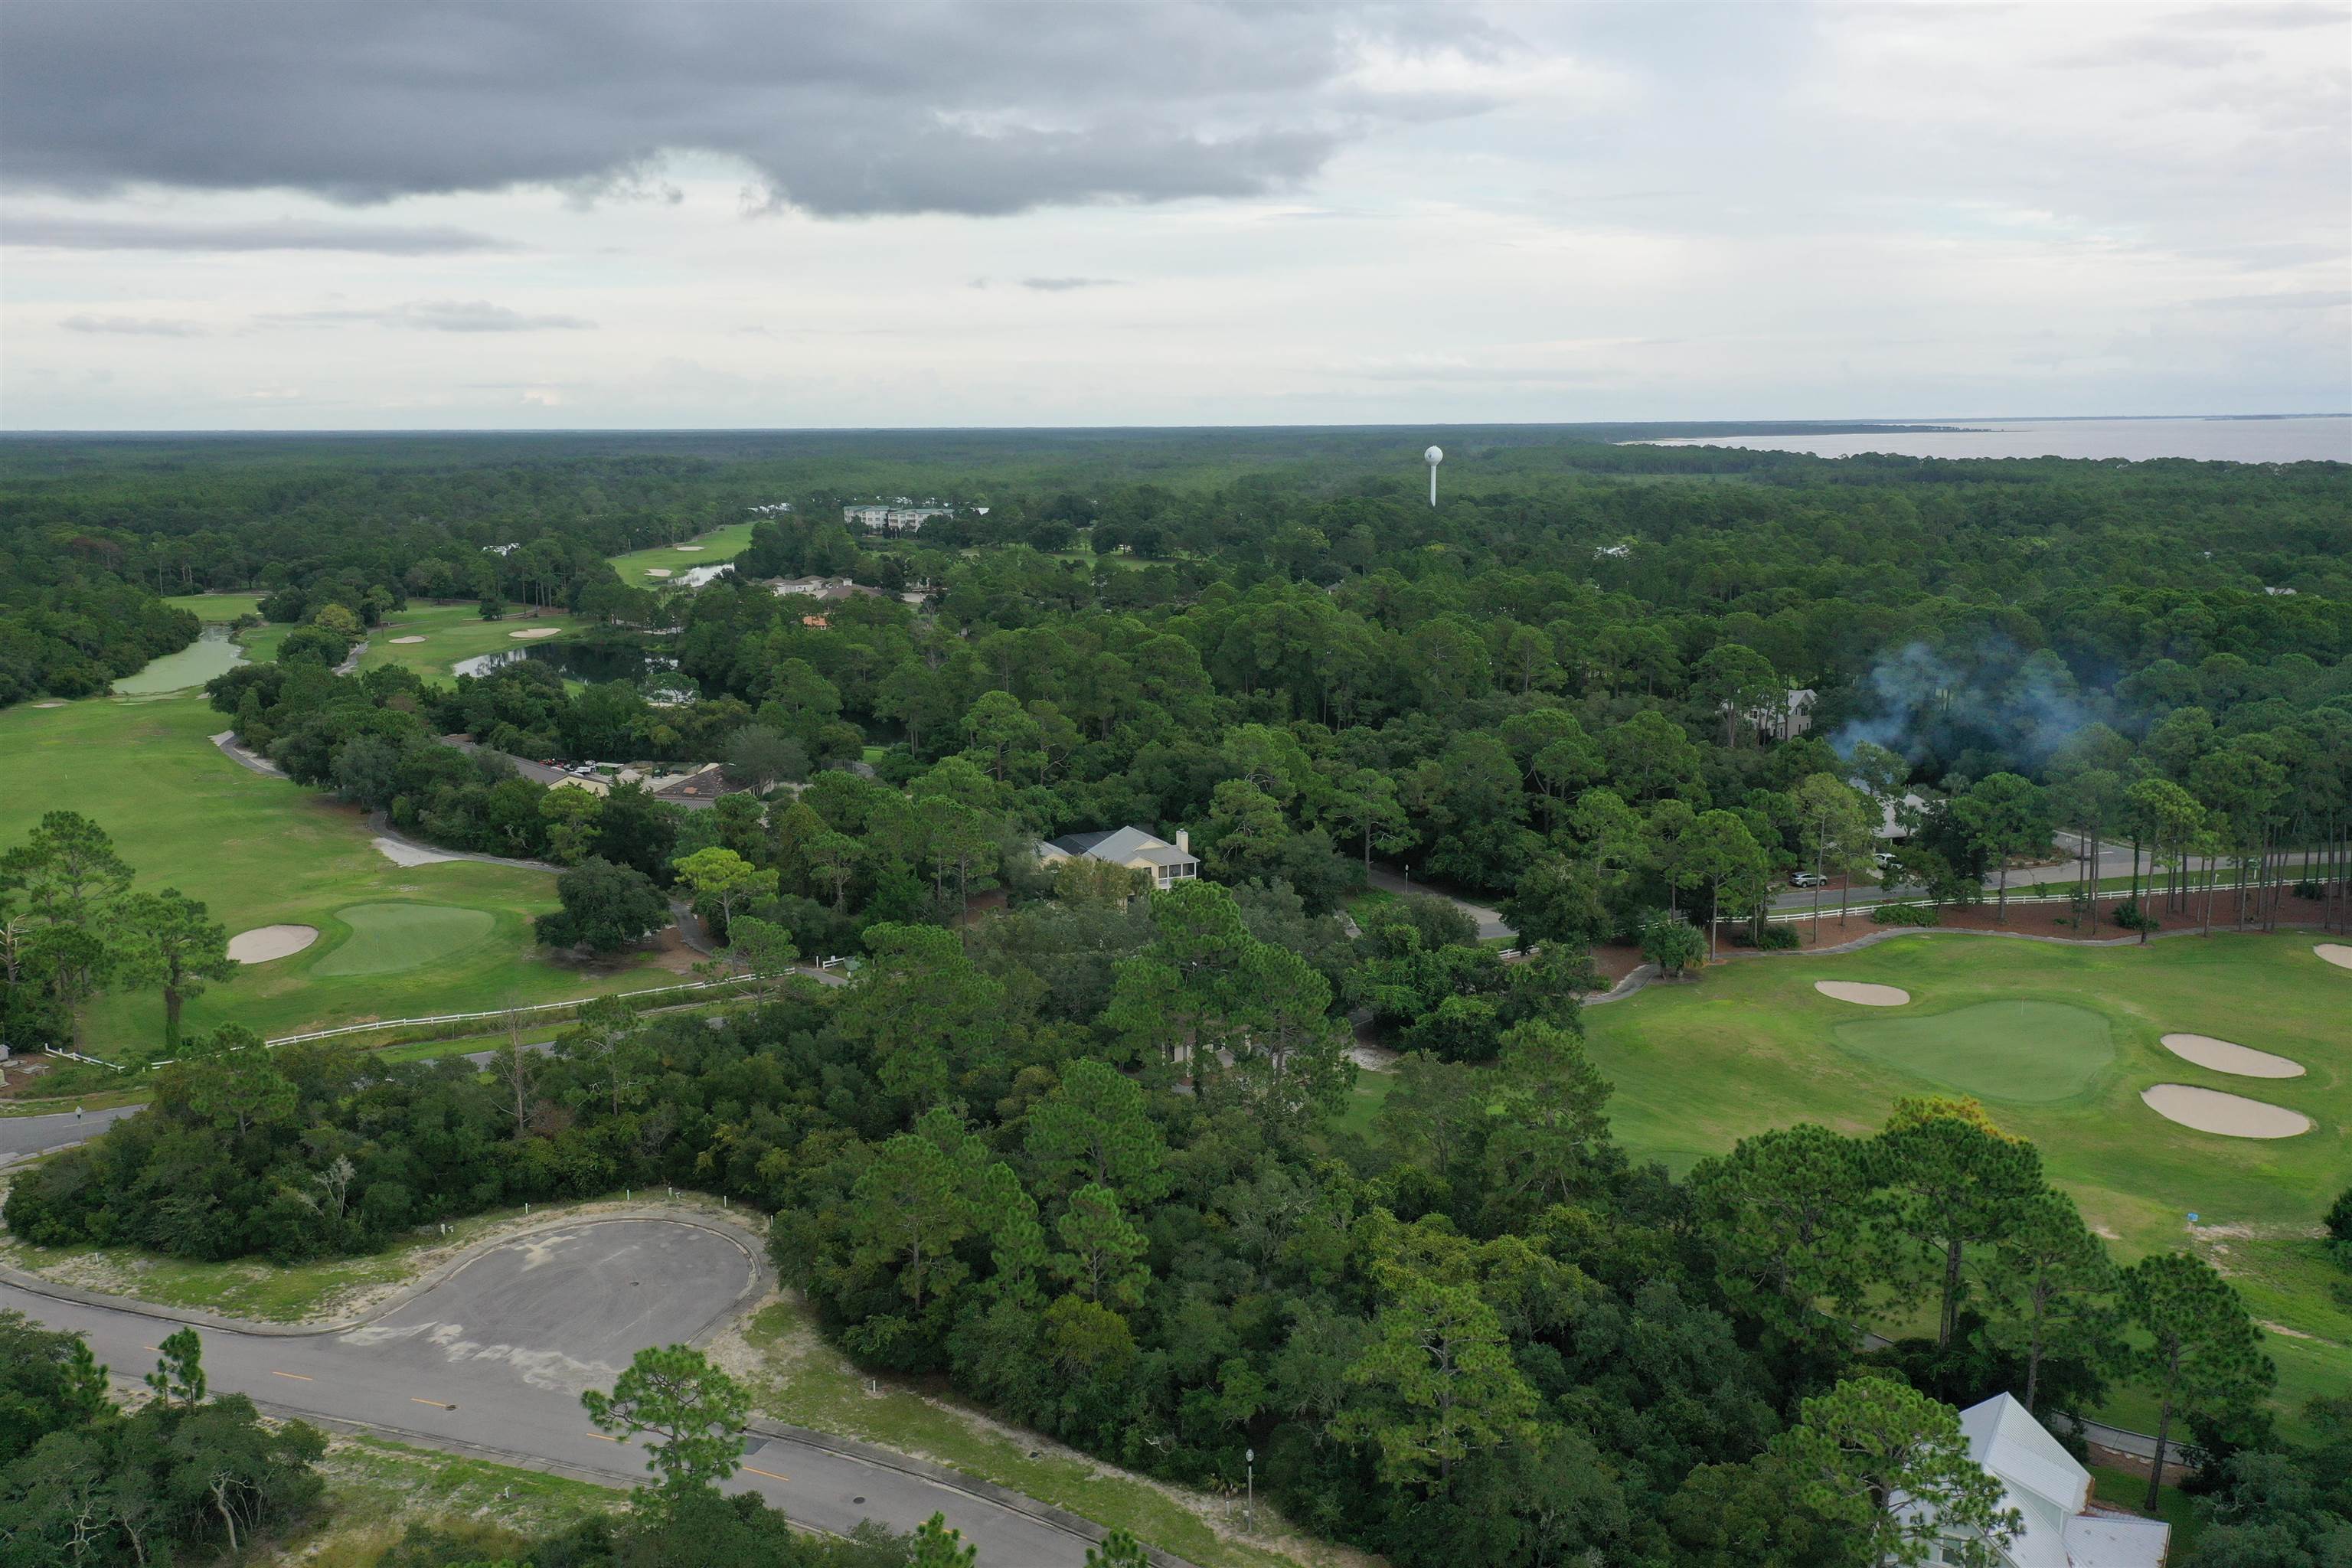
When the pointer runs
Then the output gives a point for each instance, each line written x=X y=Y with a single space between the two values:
x=407 y=639
x=657 y=571
x=2230 y=1115
x=263 y=943
x=2336 y=952
x=2224 y=1056
x=52 y=704
x=688 y=547
x=536 y=632
x=1865 y=996
x=400 y=854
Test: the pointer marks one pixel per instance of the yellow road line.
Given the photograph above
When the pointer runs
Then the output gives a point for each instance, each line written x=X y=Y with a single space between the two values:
x=436 y=1404
x=602 y=1438
x=769 y=1474
x=295 y=1375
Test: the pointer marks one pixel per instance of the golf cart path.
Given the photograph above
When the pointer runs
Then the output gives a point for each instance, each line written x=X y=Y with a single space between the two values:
x=489 y=1353
x=1491 y=924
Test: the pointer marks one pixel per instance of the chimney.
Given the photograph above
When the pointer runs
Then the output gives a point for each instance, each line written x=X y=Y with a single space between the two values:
x=1184 y=842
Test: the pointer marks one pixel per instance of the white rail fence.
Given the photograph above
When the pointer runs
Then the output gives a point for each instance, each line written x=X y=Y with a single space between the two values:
x=1879 y=901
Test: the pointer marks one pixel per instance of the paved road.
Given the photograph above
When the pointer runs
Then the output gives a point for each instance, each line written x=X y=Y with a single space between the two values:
x=23 y=1136
x=494 y=1357
x=2114 y=862
x=1491 y=924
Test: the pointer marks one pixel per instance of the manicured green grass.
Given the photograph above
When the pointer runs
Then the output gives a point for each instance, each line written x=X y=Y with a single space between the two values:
x=452 y=632
x=812 y=1384
x=2121 y=1488
x=718 y=544
x=1752 y=1046
x=388 y=938
x=2009 y=1052
x=221 y=607
x=262 y=851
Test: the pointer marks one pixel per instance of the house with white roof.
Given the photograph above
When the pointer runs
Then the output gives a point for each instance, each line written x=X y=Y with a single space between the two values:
x=2063 y=1526
x=1131 y=846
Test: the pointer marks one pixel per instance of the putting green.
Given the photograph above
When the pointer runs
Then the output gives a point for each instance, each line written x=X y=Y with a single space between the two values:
x=2027 y=1052
x=387 y=938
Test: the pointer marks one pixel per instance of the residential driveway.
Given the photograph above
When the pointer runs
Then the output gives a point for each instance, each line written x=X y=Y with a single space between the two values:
x=1490 y=921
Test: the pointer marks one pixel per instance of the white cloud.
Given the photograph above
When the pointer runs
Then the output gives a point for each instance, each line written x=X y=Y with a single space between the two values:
x=1556 y=213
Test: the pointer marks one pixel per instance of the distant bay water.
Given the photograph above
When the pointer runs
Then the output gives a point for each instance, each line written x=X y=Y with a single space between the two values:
x=2211 y=441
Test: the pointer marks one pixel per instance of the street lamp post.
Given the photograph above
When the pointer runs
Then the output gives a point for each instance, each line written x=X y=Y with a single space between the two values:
x=1249 y=1504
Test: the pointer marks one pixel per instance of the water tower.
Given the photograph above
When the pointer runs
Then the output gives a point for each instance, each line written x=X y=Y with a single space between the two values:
x=1433 y=456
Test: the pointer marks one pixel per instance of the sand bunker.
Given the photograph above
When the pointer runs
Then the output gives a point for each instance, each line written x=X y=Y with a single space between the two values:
x=263 y=943
x=50 y=704
x=2230 y=1115
x=408 y=639
x=657 y=571
x=400 y=854
x=688 y=547
x=536 y=632
x=2222 y=1055
x=2336 y=952
x=1866 y=995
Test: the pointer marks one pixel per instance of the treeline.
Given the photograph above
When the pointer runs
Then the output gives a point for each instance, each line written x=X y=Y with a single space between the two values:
x=85 y=1482
x=1105 y=1191
x=77 y=638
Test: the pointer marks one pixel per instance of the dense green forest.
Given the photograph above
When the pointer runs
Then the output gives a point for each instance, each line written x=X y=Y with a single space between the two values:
x=1090 y=1157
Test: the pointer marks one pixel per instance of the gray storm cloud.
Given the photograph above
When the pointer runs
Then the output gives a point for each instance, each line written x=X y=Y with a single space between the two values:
x=842 y=109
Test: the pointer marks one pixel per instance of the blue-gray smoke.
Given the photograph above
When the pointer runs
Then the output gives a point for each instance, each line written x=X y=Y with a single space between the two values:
x=1925 y=705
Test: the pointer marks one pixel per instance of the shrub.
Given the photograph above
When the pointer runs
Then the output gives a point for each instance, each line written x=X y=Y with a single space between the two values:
x=2310 y=889
x=1907 y=915
x=2131 y=917
x=1771 y=939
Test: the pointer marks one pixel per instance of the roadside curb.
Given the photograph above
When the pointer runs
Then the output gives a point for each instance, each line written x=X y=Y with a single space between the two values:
x=753 y=1244
x=954 y=1479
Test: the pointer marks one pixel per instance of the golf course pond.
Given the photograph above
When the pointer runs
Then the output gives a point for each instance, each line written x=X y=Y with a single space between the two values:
x=214 y=653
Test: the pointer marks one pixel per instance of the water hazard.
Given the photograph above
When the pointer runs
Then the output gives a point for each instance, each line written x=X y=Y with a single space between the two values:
x=214 y=653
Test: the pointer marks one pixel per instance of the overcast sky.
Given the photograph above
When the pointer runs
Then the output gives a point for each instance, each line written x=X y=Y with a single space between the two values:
x=220 y=214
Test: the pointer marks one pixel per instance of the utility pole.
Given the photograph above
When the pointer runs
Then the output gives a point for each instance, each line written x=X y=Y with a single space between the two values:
x=1249 y=1500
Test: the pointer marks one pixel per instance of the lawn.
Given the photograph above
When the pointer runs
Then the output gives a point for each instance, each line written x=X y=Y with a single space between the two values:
x=2058 y=1042
x=220 y=607
x=453 y=631
x=377 y=1488
x=394 y=942
x=718 y=544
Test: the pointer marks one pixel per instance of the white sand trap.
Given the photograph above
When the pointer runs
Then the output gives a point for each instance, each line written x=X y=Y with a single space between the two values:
x=263 y=943
x=2230 y=1115
x=1866 y=995
x=2336 y=952
x=2222 y=1055
x=400 y=854
x=50 y=704
x=408 y=639
x=657 y=571
x=686 y=547
x=536 y=632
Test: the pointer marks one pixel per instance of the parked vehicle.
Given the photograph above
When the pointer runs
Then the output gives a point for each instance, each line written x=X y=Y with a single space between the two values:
x=1808 y=879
